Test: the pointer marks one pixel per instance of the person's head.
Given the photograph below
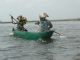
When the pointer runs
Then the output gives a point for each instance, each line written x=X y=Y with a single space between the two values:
x=20 y=16
x=43 y=16
x=24 y=18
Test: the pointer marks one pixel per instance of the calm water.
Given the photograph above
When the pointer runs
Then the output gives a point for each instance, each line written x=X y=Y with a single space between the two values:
x=68 y=48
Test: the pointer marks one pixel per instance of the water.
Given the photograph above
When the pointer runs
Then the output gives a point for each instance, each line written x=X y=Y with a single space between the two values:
x=12 y=48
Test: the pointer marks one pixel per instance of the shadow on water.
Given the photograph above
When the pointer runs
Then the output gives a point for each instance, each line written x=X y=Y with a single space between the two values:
x=47 y=40
x=47 y=44
x=77 y=57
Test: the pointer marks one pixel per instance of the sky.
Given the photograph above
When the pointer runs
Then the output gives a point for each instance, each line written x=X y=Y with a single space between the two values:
x=56 y=9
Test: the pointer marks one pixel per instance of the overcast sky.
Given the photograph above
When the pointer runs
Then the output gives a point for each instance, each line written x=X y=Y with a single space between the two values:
x=56 y=9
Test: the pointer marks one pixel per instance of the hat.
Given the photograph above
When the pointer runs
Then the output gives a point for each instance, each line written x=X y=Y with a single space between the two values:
x=43 y=15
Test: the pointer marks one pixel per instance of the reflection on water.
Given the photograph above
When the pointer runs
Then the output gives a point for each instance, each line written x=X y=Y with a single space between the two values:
x=45 y=52
x=47 y=40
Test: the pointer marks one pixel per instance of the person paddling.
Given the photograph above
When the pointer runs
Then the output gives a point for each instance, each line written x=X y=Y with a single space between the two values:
x=21 y=22
x=45 y=25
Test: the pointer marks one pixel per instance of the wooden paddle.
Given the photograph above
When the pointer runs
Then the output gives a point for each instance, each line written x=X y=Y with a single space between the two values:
x=13 y=20
x=61 y=35
x=16 y=22
x=57 y=33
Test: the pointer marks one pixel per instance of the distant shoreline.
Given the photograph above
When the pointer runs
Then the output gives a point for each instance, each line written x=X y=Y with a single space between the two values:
x=50 y=20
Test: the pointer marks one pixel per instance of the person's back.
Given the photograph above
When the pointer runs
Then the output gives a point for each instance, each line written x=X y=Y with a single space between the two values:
x=45 y=25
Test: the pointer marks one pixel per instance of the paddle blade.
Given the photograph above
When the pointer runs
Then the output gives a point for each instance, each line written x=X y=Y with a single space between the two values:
x=62 y=36
x=10 y=34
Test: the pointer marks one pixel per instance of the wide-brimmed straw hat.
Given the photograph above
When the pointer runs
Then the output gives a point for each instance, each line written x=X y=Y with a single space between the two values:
x=43 y=15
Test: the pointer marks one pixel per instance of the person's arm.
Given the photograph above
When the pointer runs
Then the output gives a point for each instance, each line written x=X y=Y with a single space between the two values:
x=50 y=24
x=25 y=20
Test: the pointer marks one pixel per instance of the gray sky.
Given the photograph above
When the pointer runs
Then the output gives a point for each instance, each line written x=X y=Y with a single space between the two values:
x=56 y=9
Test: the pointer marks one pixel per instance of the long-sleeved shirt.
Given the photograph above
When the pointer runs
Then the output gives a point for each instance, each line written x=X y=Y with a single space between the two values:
x=45 y=25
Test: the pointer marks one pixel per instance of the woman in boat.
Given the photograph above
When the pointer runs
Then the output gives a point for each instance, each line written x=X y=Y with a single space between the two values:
x=45 y=25
x=21 y=22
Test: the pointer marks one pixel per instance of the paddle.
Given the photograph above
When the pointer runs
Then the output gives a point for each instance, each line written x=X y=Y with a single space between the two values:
x=14 y=19
x=11 y=34
x=61 y=35
x=16 y=22
x=57 y=33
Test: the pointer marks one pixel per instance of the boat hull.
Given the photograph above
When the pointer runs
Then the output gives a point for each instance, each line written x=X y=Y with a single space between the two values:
x=32 y=35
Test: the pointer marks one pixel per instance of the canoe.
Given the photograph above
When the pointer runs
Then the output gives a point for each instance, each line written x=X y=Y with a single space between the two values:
x=32 y=35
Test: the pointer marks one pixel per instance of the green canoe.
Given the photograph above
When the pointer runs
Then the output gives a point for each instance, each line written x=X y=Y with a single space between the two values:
x=32 y=35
